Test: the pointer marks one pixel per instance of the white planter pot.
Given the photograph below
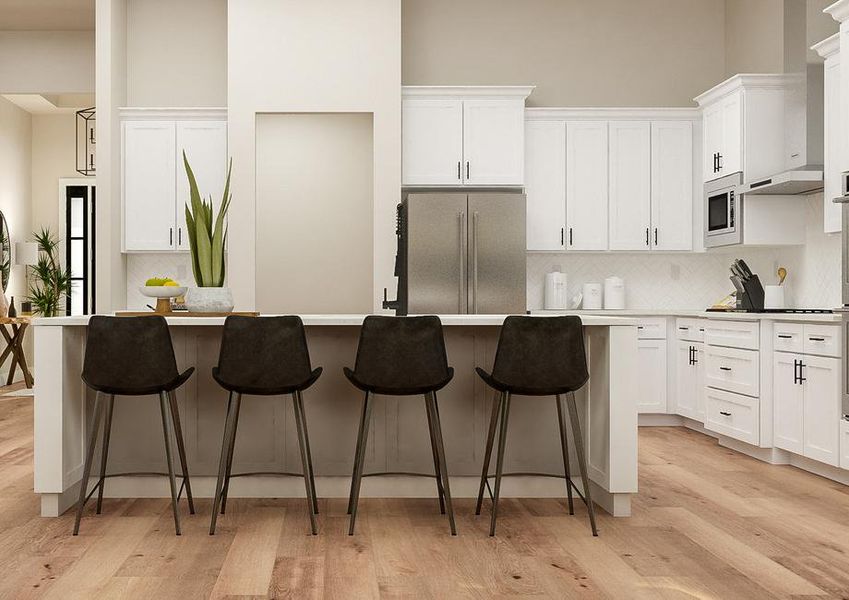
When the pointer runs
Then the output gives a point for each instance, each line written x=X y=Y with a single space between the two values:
x=209 y=299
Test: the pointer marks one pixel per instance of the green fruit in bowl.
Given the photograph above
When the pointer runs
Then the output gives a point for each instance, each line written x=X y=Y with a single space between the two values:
x=160 y=281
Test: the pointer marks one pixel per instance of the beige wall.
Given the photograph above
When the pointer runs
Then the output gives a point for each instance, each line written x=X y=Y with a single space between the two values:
x=754 y=36
x=15 y=159
x=177 y=53
x=319 y=56
x=53 y=156
x=314 y=233
x=46 y=62
x=578 y=53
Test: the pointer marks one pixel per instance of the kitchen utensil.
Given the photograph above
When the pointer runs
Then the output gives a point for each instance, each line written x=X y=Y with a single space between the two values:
x=163 y=295
x=782 y=275
x=773 y=296
x=592 y=296
x=747 y=272
x=555 y=291
x=614 y=293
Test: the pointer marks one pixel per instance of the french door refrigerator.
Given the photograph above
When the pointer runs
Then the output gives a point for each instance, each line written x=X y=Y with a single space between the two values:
x=462 y=253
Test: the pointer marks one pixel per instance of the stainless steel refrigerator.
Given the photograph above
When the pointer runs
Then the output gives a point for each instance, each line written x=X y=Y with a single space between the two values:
x=461 y=253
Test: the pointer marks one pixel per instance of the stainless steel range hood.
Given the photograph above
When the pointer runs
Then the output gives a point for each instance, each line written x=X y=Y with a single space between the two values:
x=807 y=180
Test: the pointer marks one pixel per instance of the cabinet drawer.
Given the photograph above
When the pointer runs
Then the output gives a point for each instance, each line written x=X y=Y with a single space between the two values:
x=733 y=370
x=734 y=334
x=690 y=330
x=651 y=329
x=787 y=337
x=822 y=339
x=733 y=415
x=844 y=443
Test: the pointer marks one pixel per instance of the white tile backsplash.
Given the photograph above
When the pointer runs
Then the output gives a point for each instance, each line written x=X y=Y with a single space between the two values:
x=141 y=267
x=697 y=280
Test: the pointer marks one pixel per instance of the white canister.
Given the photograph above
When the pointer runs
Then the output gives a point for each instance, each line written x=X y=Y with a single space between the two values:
x=555 y=291
x=773 y=296
x=592 y=296
x=614 y=293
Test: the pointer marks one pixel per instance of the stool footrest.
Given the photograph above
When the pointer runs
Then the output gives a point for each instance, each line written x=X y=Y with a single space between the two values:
x=569 y=482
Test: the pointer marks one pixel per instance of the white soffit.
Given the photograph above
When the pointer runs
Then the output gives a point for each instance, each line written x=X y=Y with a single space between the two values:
x=38 y=104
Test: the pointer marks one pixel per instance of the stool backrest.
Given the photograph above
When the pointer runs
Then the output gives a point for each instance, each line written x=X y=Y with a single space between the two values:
x=128 y=353
x=541 y=353
x=401 y=353
x=264 y=352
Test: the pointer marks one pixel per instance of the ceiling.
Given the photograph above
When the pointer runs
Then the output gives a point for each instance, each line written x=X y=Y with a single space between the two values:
x=53 y=15
x=38 y=104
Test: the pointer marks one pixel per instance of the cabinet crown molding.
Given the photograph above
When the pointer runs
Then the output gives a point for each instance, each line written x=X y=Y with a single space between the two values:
x=173 y=113
x=612 y=114
x=742 y=81
x=828 y=47
x=499 y=91
x=839 y=11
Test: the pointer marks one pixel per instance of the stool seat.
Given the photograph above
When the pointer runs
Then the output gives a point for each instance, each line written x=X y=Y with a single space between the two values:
x=262 y=387
x=143 y=389
x=398 y=390
x=522 y=390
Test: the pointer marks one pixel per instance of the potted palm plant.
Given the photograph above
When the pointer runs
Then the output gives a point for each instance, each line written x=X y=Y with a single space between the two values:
x=52 y=282
x=207 y=240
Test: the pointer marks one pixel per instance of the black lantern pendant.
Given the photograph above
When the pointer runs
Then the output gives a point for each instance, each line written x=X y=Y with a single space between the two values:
x=85 y=141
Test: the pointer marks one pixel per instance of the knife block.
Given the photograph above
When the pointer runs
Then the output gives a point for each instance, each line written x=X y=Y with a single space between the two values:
x=750 y=294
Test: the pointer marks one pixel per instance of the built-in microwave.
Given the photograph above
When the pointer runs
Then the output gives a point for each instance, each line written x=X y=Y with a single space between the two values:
x=723 y=211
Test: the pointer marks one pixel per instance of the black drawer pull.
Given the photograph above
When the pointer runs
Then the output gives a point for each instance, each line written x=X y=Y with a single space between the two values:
x=816 y=339
x=683 y=328
x=724 y=368
x=725 y=413
x=785 y=336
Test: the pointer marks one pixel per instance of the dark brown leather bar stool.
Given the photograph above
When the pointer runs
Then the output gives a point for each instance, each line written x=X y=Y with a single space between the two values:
x=401 y=356
x=264 y=356
x=132 y=356
x=537 y=356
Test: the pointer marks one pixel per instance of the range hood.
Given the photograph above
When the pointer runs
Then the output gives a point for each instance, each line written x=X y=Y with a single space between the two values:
x=802 y=172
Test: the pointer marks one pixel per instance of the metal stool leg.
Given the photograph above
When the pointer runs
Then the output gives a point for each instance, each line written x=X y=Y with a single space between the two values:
x=229 y=426
x=104 y=452
x=167 y=431
x=433 y=407
x=181 y=449
x=439 y=491
x=502 y=442
x=304 y=448
x=490 y=440
x=309 y=453
x=357 y=453
x=358 y=464
x=564 y=446
x=232 y=446
x=92 y=440
x=582 y=458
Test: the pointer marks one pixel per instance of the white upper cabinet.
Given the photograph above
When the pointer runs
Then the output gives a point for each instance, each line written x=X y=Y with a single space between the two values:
x=829 y=49
x=743 y=121
x=493 y=141
x=148 y=168
x=205 y=145
x=463 y=135
x=432 y=142
x=586 y=185
x=672 y=185
x=630 y=185
x=154 y=184
x=545 y=184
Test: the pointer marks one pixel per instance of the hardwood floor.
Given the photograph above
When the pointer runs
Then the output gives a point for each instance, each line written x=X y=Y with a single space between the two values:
x=708 y=523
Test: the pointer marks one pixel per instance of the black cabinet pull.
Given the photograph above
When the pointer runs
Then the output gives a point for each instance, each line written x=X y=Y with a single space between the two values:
x=718 y=161
x=170 y=236
x=179 y=236
x=655 y=236
x=715 y=168
x=725 y=413
x=467 y=170
x=647 y=236
x=796 y=371
x=724 y=368
x=816 y=339
x=570 y=236
x=562 y=235
x=801 y=377
x=683 y=328
x=784 y=336
x=459 y=176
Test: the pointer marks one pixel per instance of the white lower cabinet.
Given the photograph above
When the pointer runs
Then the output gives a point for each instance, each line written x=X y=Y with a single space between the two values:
x=733 y=369
x=651 y=390
x=806 y=396
x=734 y=415
x=844 y=443
x=690 y=380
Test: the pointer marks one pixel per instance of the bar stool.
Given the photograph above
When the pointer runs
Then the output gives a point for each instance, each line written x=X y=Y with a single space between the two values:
x=401 y=356
x=264 y=356
x=537 y=356
x=132 y=356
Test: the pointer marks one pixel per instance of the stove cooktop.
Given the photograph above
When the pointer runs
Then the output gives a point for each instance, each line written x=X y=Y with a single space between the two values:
x=802 y=311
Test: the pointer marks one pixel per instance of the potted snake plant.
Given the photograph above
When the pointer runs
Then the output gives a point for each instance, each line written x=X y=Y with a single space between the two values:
x=207 y=239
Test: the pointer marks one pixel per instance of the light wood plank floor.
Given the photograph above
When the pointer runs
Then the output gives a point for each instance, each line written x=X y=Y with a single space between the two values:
x=708 y=523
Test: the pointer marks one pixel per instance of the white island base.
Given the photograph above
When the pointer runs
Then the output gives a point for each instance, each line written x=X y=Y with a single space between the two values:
x=398 y=440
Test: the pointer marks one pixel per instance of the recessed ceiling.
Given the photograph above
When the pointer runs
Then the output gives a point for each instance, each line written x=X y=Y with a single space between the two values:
x=38 y=104
x=53 y=15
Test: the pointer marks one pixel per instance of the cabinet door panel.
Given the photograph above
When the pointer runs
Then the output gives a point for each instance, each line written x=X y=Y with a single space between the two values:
x=205 y=145
x=686 y=385
x=630 y=185
x=787 y=403
x=652 y=385
x=822 y=408
x=545 y=184
x=732 y=135
x=712 y=123
x=148 y=178
x=672 y=185
x=432 y=141
x=832 y=131
x=700 y=380
x=586 y=185
x=493 y=141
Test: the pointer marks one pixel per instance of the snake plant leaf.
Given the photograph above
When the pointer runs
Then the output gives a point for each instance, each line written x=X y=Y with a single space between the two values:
x=193 y=244
x=219 y=234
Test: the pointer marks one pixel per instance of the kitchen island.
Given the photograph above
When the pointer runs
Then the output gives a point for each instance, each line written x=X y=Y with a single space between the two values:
x=399 y=441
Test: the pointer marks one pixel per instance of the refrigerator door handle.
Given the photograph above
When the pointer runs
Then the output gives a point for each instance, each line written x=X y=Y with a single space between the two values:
x=462 y=300
x=475 y=262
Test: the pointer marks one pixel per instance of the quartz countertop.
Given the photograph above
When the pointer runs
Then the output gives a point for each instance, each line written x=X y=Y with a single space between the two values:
x=702 y=314
x=602 y=319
